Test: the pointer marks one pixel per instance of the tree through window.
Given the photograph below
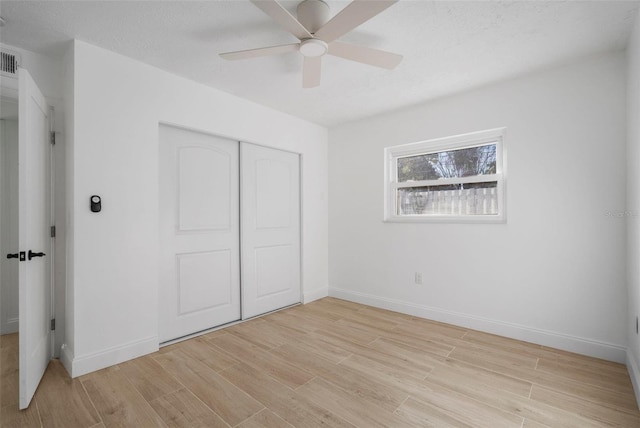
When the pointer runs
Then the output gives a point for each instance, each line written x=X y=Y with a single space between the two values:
x=479 y=160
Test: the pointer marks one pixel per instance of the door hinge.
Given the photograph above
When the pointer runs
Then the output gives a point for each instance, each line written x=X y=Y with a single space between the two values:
x=53 y=231
x=52 y=137
x=53 y=324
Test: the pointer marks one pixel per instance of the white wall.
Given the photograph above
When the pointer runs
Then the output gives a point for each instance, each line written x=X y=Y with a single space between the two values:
x=633 y=204
x=554 y=274
x=8 y=220
x=117 y=105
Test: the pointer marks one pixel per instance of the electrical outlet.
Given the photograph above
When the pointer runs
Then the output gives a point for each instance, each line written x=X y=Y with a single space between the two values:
x=418 y=278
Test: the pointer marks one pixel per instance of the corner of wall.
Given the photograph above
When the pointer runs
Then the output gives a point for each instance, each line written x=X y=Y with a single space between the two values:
x=69 y=141
x=316 y=294
x=634 y=374
x=84 y=364
x=633 y=205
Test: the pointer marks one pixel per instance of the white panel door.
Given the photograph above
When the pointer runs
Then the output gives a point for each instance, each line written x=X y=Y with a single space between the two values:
x=199 y=232
x=270 y=229
x=34 y=216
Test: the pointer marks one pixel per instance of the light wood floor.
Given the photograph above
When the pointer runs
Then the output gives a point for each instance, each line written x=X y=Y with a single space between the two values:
x=333 y=363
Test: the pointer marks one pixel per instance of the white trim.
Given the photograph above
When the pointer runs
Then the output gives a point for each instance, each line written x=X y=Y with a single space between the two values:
x=634 y=374
x=478 y=138
x=494 y=218
x=66 y=357
x=445 y=181
x=110 y=356
x=316 y=294
x=579 y=345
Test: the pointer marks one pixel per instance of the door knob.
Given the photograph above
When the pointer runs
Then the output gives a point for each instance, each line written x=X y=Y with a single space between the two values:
x=20 y=256
x=32 y=255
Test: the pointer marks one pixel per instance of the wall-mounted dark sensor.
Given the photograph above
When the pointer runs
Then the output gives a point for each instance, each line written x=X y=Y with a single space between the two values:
x=96 y=204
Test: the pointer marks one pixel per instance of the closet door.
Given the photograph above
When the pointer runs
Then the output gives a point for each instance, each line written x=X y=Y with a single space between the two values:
x=270 y=229
x=199 y=232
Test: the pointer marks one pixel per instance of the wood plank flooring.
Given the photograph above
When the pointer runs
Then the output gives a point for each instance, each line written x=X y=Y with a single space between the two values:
x=332 y=363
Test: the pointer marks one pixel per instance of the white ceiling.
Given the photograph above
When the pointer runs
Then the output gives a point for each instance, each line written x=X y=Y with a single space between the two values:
x=448 y=46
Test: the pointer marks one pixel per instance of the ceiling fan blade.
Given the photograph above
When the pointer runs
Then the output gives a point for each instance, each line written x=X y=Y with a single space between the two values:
x=254 y=53
x=283 y=17
x=356 y=13
x=311 y=71
x=365 y=55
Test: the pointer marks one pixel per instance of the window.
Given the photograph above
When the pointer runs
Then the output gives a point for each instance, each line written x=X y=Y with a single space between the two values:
x=456 y=179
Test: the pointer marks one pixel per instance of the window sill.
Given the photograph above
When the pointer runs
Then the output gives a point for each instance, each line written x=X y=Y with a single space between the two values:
x=477 y=219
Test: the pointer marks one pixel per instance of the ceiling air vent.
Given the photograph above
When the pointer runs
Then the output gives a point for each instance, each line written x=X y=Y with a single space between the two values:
x=9 y=63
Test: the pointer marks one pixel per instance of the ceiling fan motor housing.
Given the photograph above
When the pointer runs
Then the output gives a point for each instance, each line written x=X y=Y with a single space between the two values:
x=317 y=30
x=313 y=14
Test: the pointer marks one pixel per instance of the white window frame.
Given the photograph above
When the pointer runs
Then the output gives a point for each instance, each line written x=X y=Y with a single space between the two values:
x=456 y=142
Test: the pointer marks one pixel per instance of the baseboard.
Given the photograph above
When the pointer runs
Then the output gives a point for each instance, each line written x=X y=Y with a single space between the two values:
x=634 y=373
x=579 y=345
x=316 y=294
x=66 y=357
x=98 y=360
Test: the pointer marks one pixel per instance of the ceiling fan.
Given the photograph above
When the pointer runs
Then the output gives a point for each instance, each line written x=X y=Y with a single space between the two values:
x=319 y=35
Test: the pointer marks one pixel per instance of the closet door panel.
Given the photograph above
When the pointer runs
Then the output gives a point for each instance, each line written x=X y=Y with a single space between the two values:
x=199 y=232
x=270 y=229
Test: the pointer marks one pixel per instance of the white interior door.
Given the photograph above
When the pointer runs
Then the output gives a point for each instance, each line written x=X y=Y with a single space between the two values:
x=270 y=229
x=33 y=236
x=199 y=232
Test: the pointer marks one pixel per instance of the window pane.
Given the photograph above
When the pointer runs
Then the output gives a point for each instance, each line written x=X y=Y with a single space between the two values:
x=453 y=199
x=467 y=162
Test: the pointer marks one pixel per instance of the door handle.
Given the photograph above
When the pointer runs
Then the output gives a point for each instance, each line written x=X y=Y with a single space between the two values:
x=32 y=255
x=20 y=256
